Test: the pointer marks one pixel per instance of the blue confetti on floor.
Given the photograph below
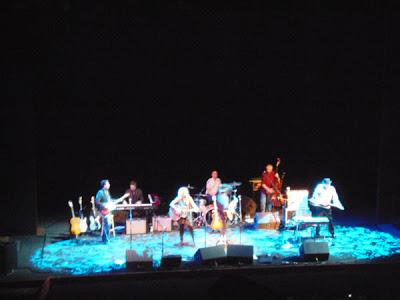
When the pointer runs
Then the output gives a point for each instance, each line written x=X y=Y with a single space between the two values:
x=87 y=255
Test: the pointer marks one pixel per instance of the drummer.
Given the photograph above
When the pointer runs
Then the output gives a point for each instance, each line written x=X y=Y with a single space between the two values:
x=212 y=186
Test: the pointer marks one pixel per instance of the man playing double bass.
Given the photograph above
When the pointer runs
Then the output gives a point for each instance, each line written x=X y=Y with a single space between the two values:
x=269 y=182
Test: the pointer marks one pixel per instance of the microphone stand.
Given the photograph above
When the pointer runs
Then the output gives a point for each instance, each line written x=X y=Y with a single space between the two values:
x=130 y=224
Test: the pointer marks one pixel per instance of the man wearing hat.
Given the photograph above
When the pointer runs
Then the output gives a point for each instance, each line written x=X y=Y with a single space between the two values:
x=323 y=199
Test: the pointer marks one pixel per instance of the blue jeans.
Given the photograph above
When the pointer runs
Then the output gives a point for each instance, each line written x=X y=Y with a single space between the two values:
x=106 y=230
x=265 y=202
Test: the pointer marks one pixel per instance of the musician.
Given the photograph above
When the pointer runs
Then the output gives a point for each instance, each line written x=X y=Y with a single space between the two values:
x=268 y=180
x=212 y=186
x=135 y=197
x=323 y=199
x=182 y=206
x=135 y=194
x=103 y=198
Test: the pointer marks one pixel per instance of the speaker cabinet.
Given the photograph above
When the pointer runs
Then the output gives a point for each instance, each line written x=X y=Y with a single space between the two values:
x=171 y=261
x=240 y=254
x=210 y=255
x=135 y=262
x=161 y=223
x=8 y=257
x=267 y=220
x=138 y=226
x=314 y=250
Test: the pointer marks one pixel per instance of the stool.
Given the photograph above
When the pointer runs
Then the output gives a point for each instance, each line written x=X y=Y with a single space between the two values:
x=110 y=224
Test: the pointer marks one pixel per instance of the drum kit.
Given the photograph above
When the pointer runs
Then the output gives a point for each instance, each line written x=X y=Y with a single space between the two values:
x=227 y=195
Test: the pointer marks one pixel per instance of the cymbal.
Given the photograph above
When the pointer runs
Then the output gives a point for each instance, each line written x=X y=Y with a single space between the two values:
x=235 y=183
x=255 y=179
x=225 y=187
x=200 y=195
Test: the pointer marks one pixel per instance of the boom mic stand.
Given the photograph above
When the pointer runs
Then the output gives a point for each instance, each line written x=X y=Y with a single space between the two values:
x=130 y=224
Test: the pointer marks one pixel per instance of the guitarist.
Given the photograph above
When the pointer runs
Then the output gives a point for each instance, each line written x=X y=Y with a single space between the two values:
x=323 y=199
x=181 y=208
x=268 y=179
x=103 y=199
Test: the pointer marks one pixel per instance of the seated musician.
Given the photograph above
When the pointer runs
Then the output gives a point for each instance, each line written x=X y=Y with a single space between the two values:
x=323 y=199
x=181 y=209
x=135 y=197
x=267 y=190
x=102 y=201
x=212 y=186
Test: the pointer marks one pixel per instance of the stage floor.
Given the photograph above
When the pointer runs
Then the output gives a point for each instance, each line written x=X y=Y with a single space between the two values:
x=88 y=255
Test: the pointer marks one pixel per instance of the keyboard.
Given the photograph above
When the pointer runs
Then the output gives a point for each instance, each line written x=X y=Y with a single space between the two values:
x=141 y=206
x=310 y=220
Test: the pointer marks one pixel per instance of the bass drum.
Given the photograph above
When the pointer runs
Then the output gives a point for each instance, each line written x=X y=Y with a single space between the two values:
x=207 y=215
x=201 y=203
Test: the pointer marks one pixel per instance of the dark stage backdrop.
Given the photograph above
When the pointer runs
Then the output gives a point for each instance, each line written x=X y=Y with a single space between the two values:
x=165 y=95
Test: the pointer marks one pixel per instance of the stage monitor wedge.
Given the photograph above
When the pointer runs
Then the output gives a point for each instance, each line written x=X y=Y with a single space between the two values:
x=240 y=254
x=135 y=262
x=314 y=250
x=210 y=255
x=221 y=254
x=171 y=261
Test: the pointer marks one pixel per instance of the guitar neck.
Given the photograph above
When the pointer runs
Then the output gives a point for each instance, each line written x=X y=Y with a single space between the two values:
x=72 y=212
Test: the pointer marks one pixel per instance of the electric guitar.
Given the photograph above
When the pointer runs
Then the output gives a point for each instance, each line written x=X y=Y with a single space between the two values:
x=74 y=221
x=110 y=206
x=216 y=223
x=94 y=218
x=83 y=220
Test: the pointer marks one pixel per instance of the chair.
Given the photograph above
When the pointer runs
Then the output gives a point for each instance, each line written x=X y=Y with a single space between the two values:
x=111 y=225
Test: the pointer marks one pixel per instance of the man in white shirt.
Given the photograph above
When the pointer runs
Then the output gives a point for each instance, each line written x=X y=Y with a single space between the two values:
x=212 y=185
x=323 y=199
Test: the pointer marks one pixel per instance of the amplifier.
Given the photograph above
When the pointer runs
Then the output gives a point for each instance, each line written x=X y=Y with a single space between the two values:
x=138 y=226
x=267 y=220
x=161 y=223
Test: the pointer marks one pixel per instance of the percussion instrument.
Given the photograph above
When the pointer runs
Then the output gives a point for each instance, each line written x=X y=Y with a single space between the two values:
x=224 y=200
x=225 y=187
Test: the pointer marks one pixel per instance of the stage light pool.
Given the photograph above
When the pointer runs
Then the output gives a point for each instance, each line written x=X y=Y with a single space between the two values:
x=88 y=255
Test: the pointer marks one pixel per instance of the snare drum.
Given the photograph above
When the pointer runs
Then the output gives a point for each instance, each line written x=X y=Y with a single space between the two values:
x=223 y=199
x=201 y=203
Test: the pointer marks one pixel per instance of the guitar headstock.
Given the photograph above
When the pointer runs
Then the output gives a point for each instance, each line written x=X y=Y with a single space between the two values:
x=70 y=204
x=278 y=161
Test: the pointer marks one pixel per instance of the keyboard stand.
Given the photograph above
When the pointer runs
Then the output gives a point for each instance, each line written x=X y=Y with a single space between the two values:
x=308 y=223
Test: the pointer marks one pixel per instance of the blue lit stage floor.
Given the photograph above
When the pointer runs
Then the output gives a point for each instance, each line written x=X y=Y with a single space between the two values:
x=87 y=255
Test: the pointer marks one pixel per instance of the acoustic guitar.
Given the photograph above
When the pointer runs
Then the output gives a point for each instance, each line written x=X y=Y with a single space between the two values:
x=75 y=222
x=182 y=212
x=83 y=220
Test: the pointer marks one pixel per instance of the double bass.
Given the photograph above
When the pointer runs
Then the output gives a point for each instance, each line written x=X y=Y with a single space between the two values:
x=277 y=198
